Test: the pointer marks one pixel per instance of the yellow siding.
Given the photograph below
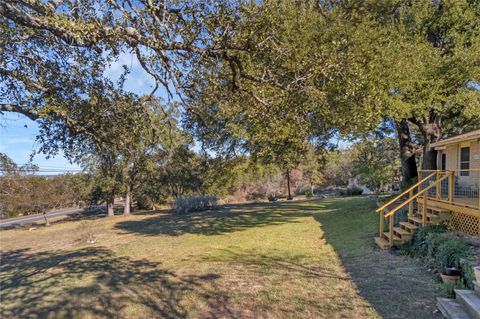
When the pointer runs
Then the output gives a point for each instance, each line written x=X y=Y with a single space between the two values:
x=452 y=157
x=475 y=155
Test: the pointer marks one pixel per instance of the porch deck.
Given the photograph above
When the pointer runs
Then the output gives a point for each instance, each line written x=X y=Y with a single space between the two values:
x=451 y=196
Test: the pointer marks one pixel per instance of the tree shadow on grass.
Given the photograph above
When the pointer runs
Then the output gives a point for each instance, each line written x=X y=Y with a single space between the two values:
x=93 y=282
x=396 y=286
x=228 y=219
x=291 y=265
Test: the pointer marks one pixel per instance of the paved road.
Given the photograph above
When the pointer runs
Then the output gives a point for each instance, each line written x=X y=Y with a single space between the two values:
x=37 y=217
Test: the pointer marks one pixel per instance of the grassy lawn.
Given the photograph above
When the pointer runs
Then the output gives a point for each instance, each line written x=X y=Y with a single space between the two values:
x=301 y=259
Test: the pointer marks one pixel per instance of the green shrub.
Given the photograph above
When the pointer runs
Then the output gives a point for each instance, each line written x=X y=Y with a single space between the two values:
x=449 y=253
x=439 y=250
x=468 y=274
x=418 y=245
x=351 y=191
x=308 y=194
x=433 y=243
x=449 y=288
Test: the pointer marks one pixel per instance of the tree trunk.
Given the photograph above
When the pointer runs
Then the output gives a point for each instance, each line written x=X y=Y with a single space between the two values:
x=47 y=222
x=110 y=202
x=288 y=186
x=431 y=132
x=128 y=200
x=407 y=153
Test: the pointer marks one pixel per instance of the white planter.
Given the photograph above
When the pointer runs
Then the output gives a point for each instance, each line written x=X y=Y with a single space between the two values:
x=477 y=272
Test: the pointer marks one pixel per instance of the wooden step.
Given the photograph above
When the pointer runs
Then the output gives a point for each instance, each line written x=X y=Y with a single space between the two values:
x=406 y=225
x=402 y=233
x=452 y=309
x=382 y=243
x=396 y=239
x=470 y=300
x=430 y=217
x=416 y=220
x=437 y=208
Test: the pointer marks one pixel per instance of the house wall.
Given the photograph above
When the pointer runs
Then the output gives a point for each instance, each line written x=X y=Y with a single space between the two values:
x=475 y=154
x=452 y=152
x=453 y=155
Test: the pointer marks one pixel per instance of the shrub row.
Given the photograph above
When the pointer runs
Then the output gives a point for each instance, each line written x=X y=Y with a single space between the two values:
x=439 y=249
x=194 y=203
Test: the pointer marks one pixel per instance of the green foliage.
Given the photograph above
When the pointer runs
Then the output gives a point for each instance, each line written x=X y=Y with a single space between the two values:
x=437 y=249
x=22 y=192
x=375 y=162
x=468 y=273
x=308 y=194
x=337 y=168
x=418 y=246
x=450 y=252
x=449 y=288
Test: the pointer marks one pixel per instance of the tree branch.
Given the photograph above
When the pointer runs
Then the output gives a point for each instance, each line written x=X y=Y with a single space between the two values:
x=14 y=108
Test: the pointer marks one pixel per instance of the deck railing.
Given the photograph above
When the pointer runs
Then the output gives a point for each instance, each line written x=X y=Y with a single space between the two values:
x=462 y=188
x=423 y=188
x=453 y=187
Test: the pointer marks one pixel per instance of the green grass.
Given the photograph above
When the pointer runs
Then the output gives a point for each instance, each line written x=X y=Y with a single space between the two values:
x=300 y=259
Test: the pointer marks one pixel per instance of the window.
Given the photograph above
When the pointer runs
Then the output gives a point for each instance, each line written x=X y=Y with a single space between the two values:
x=444 y=162
x=464 y=160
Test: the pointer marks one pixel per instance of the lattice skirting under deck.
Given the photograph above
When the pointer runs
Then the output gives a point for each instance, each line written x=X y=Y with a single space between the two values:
x=466 y=223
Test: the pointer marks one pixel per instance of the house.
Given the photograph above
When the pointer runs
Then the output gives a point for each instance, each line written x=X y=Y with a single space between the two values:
x=449 y=194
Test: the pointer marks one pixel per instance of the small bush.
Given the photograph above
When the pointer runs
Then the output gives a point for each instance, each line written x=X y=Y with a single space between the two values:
x=351 y=191
x=468 y=274
x=418 y=246
x=194 y=203
x=272 y=198
x=449 y=288
x=438 y=249
x=86 y=232
x=450 y=252
x=308 y=194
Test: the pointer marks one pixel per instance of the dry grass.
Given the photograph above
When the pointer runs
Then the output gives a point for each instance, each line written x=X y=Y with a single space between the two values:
x=308 y=259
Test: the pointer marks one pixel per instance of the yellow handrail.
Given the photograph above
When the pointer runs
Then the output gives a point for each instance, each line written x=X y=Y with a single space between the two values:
x=404 y=192
x=393 y=211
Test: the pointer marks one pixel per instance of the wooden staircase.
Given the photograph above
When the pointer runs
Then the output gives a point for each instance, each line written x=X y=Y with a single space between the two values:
x=425 y=213
x=404 y=231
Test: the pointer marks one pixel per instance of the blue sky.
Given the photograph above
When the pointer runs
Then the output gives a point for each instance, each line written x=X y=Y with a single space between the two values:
x=18 y=133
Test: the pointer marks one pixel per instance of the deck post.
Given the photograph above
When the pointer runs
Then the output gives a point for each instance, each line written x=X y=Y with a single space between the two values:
x=437 y=186
x=424 y=210
x=451 y=186
x=382 y=225
x=390 y=231
x=410 y=205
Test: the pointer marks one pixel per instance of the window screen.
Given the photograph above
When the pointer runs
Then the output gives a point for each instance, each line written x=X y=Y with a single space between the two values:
x=464 y=160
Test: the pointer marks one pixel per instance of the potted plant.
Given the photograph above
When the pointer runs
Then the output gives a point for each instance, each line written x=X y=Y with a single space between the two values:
x=449 y=253
x=450 y=274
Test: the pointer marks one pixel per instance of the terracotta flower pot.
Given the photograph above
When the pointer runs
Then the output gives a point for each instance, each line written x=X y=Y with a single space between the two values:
x=452 y=271
x=449 y=278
